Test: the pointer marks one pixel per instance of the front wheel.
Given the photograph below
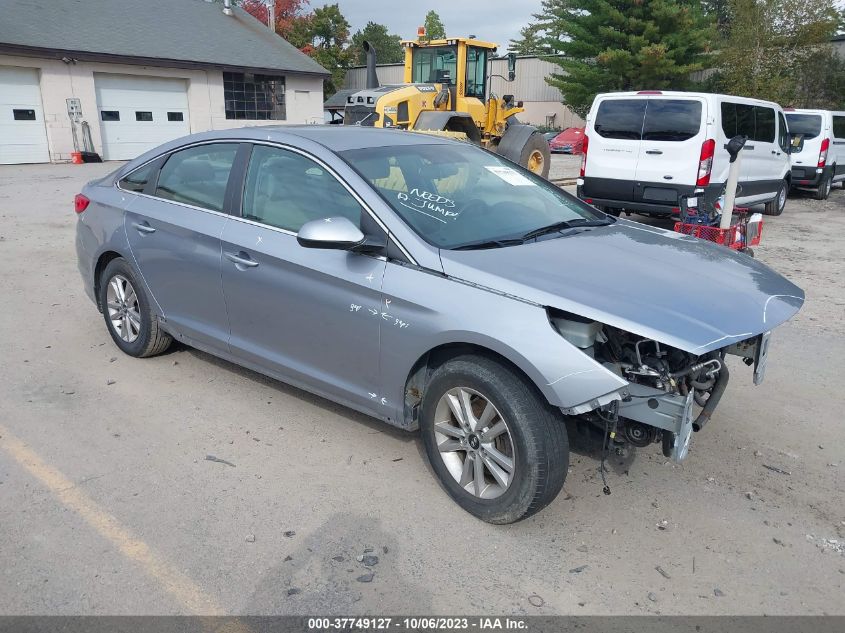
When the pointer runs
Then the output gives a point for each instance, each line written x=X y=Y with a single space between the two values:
x=498 y=448
x=776 y=206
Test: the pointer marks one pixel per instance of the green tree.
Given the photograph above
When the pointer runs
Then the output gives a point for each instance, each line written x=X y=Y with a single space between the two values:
x=609 y=45
x=324 y=35
x=434 y=29
x=531 y=41
x=388 y=47
x=771 y=44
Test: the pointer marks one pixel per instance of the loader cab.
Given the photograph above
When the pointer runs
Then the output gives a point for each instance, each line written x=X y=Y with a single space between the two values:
x=460 y=62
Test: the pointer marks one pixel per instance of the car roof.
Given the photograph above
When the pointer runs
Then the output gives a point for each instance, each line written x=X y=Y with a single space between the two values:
x=339 y=138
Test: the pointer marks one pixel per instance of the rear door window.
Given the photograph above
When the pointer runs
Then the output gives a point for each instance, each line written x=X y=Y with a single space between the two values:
x=810 y=125
x=671 y=120
x=198 y=175
x=621 y=119
x=138 y=179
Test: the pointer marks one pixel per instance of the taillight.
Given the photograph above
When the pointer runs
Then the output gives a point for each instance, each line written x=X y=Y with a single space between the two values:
x=584 y=155
x=823 y=152
x=80 y=203
x=705 y=162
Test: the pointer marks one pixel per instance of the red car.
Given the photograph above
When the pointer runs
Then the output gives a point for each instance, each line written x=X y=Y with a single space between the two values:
x=570 y=141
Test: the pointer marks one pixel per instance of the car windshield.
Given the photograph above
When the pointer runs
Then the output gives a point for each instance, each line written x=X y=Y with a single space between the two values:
x=810 y=125
x=461 y=196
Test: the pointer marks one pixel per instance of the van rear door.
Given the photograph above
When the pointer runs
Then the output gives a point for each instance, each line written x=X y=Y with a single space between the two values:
x=673 y=132
x=614 y=147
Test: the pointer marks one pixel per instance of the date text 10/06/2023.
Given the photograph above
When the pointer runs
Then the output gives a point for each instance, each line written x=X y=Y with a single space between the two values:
x=420 y=623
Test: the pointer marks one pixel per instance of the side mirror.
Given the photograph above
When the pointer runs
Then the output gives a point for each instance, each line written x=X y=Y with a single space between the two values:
x=796 y=143
x=336 y=233
x=511 y=66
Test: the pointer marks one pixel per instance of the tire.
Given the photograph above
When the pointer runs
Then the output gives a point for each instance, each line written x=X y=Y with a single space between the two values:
x=145 y=337
x=823 y=191
x=534 y=438
x=776 y=206
x=535 y=155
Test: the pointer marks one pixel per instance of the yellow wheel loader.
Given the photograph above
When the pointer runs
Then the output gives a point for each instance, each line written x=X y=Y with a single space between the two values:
x=447 y=92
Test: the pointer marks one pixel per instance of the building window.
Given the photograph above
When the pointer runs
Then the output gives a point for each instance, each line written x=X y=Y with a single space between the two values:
x=175 y=116
x=23 y=115
x=110 y=115
x=143 y=116
x=254 y=97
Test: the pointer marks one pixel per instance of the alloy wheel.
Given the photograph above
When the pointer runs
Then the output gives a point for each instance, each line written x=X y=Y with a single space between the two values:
x=474 y=442
x=123 y=308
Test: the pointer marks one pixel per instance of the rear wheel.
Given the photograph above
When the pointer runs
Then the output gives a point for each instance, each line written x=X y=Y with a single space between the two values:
x=498 y=448
x=126 y=308
x=776 y=206
x=823 y=192
x=535 y=155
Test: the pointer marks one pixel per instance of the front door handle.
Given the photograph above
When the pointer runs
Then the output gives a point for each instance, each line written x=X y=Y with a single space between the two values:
x=653 y=151
x=241 y=259
x=775 y=153
x=143 y=227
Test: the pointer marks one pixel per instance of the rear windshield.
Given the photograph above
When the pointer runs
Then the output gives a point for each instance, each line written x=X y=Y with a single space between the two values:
x=621 y=119
x=671 y=120
x=810 y=125
x=649 y=119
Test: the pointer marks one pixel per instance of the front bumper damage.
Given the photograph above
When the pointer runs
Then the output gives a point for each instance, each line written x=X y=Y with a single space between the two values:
x=646 y=414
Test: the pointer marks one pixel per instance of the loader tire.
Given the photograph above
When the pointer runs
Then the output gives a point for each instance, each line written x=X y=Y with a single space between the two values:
x=535 y=155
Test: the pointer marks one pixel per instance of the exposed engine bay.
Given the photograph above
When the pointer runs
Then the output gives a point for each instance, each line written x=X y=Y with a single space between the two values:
x=670 y=394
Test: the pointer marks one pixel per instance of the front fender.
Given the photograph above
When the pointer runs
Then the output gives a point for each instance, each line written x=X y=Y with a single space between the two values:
x=437 y=311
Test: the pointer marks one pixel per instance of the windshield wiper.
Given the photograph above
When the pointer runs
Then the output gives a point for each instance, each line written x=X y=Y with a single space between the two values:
x=481 y=244
x=564 y=224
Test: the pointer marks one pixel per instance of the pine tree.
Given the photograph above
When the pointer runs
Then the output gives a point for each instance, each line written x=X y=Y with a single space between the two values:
x=531 y=41
x=609 y=45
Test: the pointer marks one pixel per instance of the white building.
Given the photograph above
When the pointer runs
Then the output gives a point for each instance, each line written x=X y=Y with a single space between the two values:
x=543 y=104
x=143 y=71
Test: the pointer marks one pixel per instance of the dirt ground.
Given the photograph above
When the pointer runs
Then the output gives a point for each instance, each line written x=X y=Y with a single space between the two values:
x=111 y=506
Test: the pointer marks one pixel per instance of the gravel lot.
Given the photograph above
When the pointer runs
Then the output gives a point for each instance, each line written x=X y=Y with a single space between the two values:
x=111 y=507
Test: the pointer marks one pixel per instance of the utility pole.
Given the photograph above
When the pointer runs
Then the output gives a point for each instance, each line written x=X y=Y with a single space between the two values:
x=271 y=14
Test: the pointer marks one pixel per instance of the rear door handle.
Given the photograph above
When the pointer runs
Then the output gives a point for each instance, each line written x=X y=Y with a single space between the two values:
x=241 y=259
x=653 y=151
x=748 y=147
x=143 y=227
x=775 y=153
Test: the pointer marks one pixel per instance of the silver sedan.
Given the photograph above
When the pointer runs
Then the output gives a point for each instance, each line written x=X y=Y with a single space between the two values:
x=430 y=284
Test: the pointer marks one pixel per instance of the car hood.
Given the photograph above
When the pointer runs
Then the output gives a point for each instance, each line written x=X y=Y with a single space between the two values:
x=681 y=291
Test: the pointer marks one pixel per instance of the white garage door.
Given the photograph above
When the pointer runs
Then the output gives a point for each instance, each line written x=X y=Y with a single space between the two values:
x=23 y=137
x=138 y=113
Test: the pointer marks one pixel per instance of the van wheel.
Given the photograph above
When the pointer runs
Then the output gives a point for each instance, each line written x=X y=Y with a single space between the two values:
x=776 y=206
x=498 y=448
x=823 y=192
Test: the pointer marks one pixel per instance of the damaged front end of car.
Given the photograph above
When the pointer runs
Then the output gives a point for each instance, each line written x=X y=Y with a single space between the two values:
x=670 y=393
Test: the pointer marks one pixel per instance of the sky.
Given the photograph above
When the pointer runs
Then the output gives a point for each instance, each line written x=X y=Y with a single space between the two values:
x=496 y=21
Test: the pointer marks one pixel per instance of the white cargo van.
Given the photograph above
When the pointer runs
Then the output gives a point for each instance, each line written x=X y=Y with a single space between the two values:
x=821 y=161
x=645 y=150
